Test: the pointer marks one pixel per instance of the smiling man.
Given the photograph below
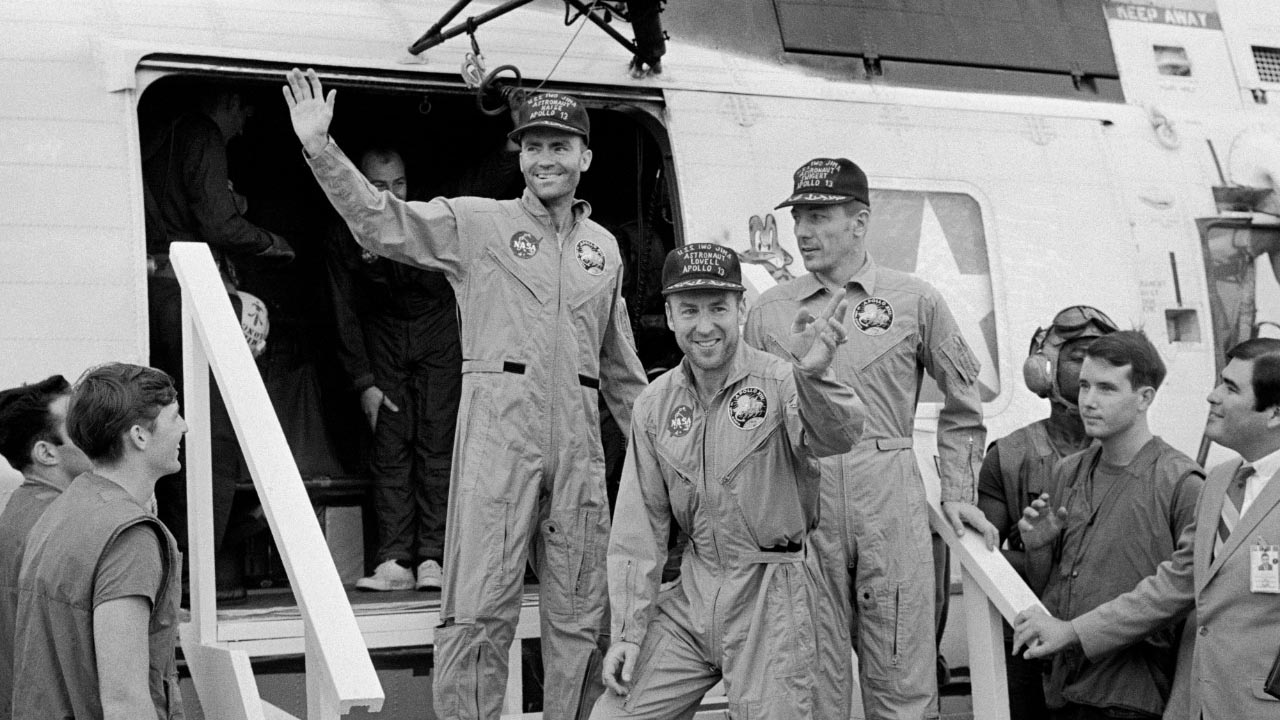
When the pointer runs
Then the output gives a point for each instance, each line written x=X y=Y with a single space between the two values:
x=725 y=445
x=544 y=329
x=874 y=537
x=1122 y=505
x=98 y=591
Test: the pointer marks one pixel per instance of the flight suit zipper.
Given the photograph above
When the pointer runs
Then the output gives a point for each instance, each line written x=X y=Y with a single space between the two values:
x=713 y=635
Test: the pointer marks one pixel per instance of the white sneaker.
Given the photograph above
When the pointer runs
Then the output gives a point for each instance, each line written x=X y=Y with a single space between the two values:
x=429 y=575
x=388 y=576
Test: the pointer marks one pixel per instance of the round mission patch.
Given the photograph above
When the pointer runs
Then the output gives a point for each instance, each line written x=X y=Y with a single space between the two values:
x=524 y=245
x=873 y=316
x=680 y=421
x=590 y=257
x=747 y=408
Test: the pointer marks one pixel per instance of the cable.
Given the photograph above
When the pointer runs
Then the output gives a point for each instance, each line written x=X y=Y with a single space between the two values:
x=568 y=45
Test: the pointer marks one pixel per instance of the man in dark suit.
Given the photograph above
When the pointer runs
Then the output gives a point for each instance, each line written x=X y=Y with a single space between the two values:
x=1226 y=653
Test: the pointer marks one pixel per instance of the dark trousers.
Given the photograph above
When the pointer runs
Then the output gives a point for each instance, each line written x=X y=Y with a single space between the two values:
x=164 y=301
x=417 y=364
x=1026 y=682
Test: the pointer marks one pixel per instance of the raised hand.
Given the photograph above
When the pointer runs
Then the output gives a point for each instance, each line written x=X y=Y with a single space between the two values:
x=309 y=110
x=814 y=340
x=1040 y=524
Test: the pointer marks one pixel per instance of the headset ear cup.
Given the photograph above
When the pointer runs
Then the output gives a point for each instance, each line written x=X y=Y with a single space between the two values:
x=1037 y=373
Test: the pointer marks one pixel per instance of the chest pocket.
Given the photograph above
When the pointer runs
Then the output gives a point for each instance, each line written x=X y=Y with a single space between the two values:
x=680 y=477
x=513 y=282
x=892 y=352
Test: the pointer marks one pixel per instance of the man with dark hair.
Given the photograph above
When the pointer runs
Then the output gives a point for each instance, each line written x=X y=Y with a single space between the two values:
x=1230 y=641
x=726 y=447
x=98 y=590
x=397 y=328
x=1124 y=502
x=1018 y=467
x=544 y=329
x=33 y=439
x=874 y=537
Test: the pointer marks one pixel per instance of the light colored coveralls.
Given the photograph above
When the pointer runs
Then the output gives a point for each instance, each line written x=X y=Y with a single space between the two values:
x=741 y=478
x=543 y=327
x=874 y=536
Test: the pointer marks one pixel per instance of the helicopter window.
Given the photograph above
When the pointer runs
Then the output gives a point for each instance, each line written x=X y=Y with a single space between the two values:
x=939 y=236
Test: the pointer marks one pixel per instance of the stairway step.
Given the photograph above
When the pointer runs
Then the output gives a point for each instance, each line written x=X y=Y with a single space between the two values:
x=270 y=623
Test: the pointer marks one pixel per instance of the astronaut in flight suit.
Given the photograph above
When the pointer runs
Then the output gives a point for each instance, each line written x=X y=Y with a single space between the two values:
x=544 y=329
x=874 y=537
x=727 y=446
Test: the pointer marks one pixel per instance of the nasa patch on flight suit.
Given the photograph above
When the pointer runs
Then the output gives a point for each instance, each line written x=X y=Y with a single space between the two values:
x=524 y=245
x=590 y=257
x=680 y=421
x=873 y=316
x=747 y=408
x=1264 y=568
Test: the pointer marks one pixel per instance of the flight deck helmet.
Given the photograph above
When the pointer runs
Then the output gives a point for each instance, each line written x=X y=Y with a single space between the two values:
x=1040 y=371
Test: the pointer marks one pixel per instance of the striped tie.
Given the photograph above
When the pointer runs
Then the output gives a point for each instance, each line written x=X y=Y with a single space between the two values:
x=1231 y=507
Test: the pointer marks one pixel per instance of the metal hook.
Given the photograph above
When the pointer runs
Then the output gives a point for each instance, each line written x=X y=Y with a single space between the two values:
x=424 y=107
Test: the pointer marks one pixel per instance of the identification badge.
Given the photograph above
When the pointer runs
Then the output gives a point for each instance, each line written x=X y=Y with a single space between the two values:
x=1264 y=568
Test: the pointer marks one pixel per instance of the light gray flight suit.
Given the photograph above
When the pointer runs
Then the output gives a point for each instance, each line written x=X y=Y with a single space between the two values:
x=874 y=536
x=544 y=328
x=741 y=478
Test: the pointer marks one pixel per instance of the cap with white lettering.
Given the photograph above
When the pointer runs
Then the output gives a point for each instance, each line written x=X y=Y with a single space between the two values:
x=828 y=181
x=555 y=111
x=701 y=266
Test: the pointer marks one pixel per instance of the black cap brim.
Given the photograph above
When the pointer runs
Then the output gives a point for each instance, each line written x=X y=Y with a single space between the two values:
x=810 y=198
x=703 y=284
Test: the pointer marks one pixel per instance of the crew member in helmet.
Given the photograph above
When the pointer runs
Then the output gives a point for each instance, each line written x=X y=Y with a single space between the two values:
x=1017 y=467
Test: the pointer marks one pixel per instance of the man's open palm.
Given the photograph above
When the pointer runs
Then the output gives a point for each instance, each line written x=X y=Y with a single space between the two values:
x=309 y=110
x=814 y=340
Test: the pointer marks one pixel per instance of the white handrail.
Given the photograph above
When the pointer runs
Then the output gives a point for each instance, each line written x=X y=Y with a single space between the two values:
x=340 y=673
x=992 y=589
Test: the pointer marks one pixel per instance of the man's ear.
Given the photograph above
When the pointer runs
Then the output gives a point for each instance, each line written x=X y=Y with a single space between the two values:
x=1148 y=394
x=139 y=436
x=666 y=309
x=861 y=220
x=585 y=162
x=1273 y=417
x=42 y=454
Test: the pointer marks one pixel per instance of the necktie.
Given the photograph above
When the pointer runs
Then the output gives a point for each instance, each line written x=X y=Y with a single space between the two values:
x=1231 y=507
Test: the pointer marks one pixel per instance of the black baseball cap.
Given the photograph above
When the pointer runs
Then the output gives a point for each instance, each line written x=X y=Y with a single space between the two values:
x=701 y=266
x=828 y=181
x=556 y=111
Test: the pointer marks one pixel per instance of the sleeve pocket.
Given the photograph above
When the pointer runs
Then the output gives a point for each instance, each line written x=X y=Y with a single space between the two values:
x=960 y=361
